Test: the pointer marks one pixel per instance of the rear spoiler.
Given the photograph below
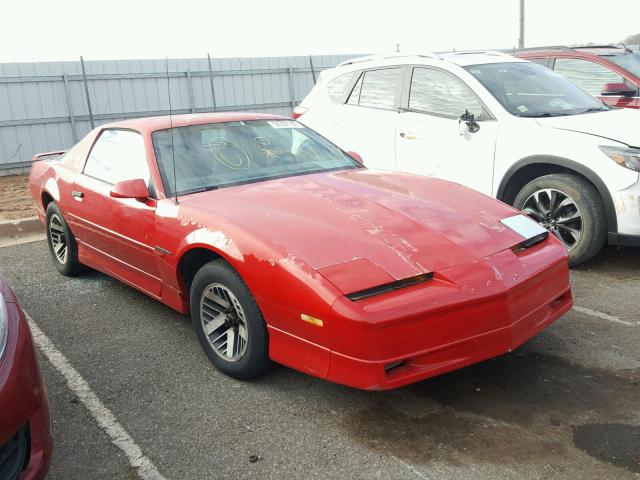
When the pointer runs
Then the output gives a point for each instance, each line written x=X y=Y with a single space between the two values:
x=44 y=155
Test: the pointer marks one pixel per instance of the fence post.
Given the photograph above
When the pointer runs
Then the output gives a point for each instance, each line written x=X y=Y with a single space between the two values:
x=213 y=91
x=74 y=130
x=313 y=73
x=86 y=92
x=292 y=99
x=192 y=101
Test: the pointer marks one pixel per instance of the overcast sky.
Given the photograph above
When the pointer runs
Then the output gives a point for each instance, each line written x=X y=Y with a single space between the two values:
x=33 y=30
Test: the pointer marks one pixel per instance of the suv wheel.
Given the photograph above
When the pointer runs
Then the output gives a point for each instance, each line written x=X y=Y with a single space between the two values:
x=571 y=209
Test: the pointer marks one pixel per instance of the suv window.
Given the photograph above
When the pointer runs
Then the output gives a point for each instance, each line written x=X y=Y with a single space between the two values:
x=589 y=75
x=338 y=86
x=376 y=88
x=438 y=93
x=116 y=156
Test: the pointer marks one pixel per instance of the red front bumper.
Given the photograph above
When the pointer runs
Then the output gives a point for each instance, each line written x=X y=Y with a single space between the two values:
x=466 y=314
x=24 y=410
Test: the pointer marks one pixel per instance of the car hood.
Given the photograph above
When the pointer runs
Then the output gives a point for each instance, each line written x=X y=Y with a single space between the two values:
x=620 y=125
x=400 y=225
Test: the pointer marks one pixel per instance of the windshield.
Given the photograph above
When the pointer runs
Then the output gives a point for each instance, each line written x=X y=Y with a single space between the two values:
x=527 y=89
x=216 y=155
x=630 y=62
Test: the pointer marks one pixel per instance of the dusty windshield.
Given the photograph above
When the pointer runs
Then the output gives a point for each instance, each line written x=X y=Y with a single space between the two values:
x=530 y=90
x=216 y=155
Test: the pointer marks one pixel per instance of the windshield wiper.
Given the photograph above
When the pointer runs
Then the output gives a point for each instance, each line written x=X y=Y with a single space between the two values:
x=594 y=109
x=545 y=114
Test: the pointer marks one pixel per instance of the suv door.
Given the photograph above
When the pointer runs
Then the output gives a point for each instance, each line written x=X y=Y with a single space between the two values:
x=118 y=233
x=369 y=116
x=432 y=140
x=592 y=76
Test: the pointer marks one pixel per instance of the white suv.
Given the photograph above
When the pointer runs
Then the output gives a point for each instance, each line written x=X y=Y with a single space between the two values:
x=504 y=126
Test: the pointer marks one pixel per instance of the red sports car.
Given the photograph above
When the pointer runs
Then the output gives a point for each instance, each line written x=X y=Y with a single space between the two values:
x=285 y=248
x=25 y=430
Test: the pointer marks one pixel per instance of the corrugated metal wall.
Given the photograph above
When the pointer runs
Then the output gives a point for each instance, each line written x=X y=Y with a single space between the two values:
x=45 y=106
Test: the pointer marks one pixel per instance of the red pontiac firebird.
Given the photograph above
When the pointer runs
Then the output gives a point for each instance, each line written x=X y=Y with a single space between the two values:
x=25 y=430
x=284 y=248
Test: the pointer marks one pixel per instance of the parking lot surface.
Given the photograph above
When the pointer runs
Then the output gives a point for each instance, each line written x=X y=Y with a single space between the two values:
x=565 y=405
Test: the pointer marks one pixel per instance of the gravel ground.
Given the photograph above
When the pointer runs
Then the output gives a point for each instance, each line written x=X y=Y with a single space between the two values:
x=15 y=200
x=565 y=405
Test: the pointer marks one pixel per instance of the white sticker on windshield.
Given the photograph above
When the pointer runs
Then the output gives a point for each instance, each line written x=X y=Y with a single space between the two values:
x=285 y=124
x=523 y=108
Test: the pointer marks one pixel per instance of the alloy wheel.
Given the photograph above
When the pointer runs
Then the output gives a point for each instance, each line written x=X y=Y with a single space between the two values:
x=557 y=212
x=223 y=322
x=58 y=238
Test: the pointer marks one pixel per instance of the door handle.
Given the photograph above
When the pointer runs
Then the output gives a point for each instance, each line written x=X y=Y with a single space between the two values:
x=77 y=195
x=408 y=135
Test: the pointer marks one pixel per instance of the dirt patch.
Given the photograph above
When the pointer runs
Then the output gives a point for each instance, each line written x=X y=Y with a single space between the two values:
x=15 y=199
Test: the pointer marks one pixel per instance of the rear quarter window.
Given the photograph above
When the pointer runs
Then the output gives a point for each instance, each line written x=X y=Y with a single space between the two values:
x=337 y=88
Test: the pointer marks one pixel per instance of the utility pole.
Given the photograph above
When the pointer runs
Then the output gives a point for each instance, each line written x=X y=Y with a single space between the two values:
x=521 y=39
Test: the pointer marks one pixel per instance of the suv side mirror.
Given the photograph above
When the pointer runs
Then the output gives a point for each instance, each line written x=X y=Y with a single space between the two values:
x=468 y=119
x=356 y=156
x=136 y=188
x=617 y=90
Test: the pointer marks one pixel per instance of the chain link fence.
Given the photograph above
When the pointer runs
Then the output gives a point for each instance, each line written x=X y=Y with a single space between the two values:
x=50 y=106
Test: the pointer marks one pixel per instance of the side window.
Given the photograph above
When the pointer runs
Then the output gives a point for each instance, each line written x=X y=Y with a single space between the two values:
x=337 y=88
x=540 y=61
x=377 y=88
x=118 y=155
x=589 y=75
x=439 y=93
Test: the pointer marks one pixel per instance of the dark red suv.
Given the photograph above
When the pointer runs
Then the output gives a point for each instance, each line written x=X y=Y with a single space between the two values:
x=608 y=72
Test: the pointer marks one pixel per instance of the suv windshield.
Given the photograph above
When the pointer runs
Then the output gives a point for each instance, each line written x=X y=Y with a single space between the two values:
x=629 y=61
x=216 y=155
x=531 y=90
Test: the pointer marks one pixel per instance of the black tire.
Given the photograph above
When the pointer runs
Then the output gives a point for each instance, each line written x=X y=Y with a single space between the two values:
x=69 y=266
x=255 y=359
x=586 y=198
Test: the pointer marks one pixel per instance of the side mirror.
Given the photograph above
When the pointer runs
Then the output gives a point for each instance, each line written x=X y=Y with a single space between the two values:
x=356 y=156
x=136 y=188
x=469 y=120
x=617 y=90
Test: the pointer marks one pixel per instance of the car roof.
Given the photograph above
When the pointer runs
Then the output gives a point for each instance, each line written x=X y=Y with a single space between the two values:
x=151 y=124
x=461 y=58
x=593 y=50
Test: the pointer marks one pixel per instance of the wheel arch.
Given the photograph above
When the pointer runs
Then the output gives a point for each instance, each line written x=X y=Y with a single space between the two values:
x=529 y=168
x=192 y=259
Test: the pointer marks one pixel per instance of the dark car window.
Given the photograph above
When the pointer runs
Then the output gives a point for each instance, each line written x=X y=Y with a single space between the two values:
x=378 y=88
x=589 y=75
x=217 y=155
x=438 y=93
x=337 y=88
x=118 y=155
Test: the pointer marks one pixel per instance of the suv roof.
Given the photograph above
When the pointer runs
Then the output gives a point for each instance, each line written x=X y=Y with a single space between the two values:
x=461 y=58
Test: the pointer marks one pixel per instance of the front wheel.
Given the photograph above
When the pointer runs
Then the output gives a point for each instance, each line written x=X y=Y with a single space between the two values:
x=570 y=208
x=228 y=322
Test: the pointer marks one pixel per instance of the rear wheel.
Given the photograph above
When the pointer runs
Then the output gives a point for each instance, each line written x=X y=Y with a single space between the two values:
x=571 y=209
x=228 y=322
x=62 y=243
